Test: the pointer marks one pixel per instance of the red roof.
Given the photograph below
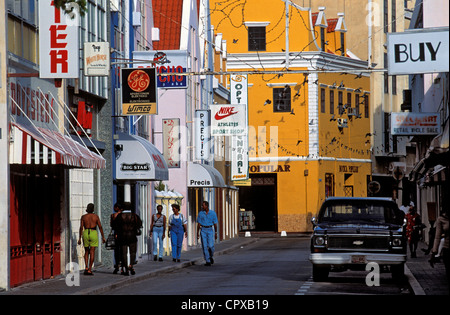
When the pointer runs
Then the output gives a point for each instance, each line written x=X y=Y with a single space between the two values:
x=167 y=17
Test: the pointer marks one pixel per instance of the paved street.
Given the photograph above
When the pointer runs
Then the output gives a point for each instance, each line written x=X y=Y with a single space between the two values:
x=271 y=266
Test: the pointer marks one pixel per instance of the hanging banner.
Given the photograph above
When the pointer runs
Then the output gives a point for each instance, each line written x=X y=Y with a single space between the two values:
x=238 y=89
x=139 y=95
x=239 y=158
x=171 y=142
x=228 y=120
x=202 y=134
x=58 y=42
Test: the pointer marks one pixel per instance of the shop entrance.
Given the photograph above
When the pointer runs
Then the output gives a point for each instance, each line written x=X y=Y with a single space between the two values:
x=261 y=199
x=35 y=229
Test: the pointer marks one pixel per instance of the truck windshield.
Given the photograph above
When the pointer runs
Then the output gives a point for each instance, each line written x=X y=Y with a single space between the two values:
x=359 y=211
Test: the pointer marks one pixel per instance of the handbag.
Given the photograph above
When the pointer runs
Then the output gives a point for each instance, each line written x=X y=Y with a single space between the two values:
x=110 y=241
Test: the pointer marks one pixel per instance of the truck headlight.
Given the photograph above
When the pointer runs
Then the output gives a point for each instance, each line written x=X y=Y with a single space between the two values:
x=319 y=241
x=396 y=242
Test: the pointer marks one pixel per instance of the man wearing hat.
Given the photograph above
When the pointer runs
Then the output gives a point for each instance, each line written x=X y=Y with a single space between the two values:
x=413 y=225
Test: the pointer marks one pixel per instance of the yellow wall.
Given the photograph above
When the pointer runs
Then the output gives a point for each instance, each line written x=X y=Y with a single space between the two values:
x=286 y=135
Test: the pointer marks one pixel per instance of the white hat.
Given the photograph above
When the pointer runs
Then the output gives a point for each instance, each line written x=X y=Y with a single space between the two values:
x=411 y=204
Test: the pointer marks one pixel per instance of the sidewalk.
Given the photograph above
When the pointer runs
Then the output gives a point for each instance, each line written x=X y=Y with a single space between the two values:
x=423 y=279
x=104 y=280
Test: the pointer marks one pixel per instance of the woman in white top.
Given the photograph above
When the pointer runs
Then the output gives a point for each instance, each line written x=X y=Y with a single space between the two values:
x=158 y=232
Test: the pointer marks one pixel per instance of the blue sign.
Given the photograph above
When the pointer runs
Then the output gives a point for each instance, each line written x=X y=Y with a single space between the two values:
x=171 y=81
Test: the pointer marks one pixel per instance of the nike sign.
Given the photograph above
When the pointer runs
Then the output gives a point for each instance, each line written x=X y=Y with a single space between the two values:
x=224 y=112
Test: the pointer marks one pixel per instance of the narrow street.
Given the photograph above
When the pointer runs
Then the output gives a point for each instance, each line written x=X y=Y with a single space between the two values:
x=271 y=266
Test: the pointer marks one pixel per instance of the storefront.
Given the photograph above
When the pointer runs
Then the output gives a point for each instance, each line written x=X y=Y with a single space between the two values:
x=137 y=163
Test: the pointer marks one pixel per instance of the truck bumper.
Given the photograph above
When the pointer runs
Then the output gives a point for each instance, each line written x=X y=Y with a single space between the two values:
x=356 y=258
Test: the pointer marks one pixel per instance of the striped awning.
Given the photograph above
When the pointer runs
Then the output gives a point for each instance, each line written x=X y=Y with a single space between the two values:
x=41 y=146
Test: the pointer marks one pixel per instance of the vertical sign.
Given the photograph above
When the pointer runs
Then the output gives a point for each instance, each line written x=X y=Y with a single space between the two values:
x=171 y=139
x=202 y=134
x=238 y=88
x=239 y=150
x=239 y=158
x=58 y=42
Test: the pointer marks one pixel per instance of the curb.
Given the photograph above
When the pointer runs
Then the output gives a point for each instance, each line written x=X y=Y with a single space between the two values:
x=414 y=285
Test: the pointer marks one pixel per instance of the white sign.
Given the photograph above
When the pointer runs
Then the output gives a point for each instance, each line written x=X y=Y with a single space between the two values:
x=424 y=51
x=228 y=120
x=167 y=62
x=239 y=158
x=202 y=134
x=171 y=142
x=238 y=89
x=415 y=124
x=58 y=42
x=96 y=59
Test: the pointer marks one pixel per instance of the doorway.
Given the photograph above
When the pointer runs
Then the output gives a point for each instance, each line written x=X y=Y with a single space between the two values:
x=261 y=199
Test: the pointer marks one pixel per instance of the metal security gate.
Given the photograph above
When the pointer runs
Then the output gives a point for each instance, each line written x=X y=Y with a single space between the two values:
x=35 y=233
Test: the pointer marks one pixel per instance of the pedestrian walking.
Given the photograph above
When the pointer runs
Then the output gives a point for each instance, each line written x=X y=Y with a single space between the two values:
x=158 y=233
x=127 y=224
x=207 y=228
x=413 y=227
x=118 y=208
x=88 y=232
x=177 y=231
x=442 y=230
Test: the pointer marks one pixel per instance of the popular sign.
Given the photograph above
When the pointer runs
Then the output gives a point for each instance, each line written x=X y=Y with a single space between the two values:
x=423 y=51
x=138 y=91
x=415 y=123
x=228 y=120
x=58 y=42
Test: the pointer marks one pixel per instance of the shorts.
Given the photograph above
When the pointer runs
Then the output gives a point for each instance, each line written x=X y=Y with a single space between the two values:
x=90 y=238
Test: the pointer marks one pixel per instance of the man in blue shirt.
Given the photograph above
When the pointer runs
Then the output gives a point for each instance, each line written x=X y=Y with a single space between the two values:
x=207 y=224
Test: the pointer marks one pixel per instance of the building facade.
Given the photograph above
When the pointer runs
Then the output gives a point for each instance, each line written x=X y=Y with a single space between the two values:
x=53 y=138
x=309 y=110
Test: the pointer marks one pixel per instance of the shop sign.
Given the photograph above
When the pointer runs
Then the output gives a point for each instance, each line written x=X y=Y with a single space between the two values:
x=239 y=158
x=238 y=89
x=171 y=139
x=202 y=134
x=415 y=124
x=167 y=62
x=96 y=59
x=418 y=51
x=228 y=120
x=348 y=169
x=270 y=168
x=58 y=42
x=139 y=91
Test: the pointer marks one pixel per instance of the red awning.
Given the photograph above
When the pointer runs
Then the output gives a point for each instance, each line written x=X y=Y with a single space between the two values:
x=41 y=146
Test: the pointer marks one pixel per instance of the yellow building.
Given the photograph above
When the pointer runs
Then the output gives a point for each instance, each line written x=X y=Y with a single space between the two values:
x=308 y=109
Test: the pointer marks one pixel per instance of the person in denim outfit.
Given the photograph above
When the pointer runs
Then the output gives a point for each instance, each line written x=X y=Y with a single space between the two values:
x=158 y=233
x=177 y=230
x=207 y=226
